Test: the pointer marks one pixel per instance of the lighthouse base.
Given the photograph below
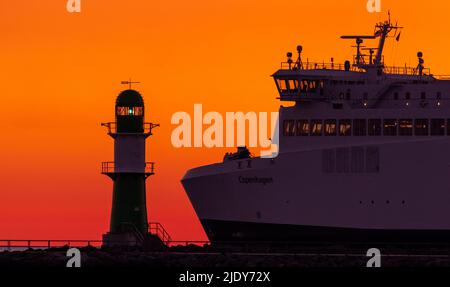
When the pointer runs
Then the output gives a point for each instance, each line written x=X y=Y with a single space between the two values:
x=147 y=242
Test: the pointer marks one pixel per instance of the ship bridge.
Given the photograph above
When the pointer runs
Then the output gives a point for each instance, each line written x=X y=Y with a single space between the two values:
x=366 y=75
x=310 y=81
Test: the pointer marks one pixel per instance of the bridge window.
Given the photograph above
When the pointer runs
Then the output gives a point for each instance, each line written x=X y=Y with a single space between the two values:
x=330 y=127
x=374 y=127
x=289 y=128
x=293 y=86
x=302 y=128
x=359 y=127
x=345 y=127
x=437 y=127
x=316 y=127
x=406 y=127
x=421 y=127
x=321 y=91
x=282 y=85
x=309 y=86
x=390 y=127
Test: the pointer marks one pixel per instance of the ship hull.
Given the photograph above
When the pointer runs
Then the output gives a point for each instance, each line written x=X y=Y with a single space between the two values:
x=240 y=232
x=404 y=195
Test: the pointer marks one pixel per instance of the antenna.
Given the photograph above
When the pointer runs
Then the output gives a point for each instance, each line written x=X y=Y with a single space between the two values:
x=420 y=66
x=289 y=59
x=129 y=83
x=299 y=63
x=359 y=40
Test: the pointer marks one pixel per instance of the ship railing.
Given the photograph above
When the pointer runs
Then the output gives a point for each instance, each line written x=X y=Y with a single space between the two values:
x=442 y=77
x=110 y=167
x=365 y=60
x=112 y=127
x=393 y=70
x=157 y=229
x=317 y=66
x=9 y=244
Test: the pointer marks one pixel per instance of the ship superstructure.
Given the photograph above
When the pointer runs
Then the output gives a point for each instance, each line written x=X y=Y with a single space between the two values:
x=364 y=154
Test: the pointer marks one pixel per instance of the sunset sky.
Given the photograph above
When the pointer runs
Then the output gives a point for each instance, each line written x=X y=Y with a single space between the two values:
x=61 y=73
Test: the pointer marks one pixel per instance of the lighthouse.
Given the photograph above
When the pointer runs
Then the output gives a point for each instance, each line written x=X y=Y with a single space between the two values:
x=129 y=171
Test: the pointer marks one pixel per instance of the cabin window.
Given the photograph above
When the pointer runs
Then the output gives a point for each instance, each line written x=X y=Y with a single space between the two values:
x=374 y=127
x=289 y=128
x=282 y=85
x=390 y=127
x=302 y=128
x=359 y=127
x=406 y=127
x=316 y=127
x=408 y=96
x=421 y=127
x=437 y=127
x=439 y=96
x=130 y=111
x=330 y=127
x=345 y=127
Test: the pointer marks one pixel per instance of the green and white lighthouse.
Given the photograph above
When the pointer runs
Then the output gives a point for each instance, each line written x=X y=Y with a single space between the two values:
x=129 y=171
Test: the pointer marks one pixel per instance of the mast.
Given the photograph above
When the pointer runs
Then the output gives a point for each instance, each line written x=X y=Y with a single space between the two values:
x=382 y=31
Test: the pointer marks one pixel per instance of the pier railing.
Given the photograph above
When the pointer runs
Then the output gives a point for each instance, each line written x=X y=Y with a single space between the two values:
x=157 y=229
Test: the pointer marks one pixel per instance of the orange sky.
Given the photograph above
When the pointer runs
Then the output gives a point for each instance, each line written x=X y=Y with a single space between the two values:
x=61 y=73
